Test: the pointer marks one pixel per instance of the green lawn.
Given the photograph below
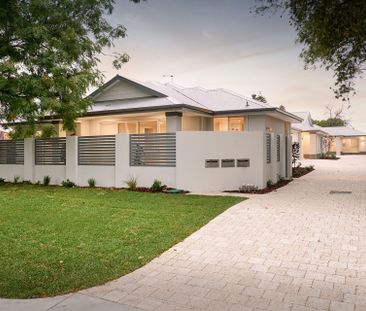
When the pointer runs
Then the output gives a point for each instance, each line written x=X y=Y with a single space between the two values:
x=55 y=240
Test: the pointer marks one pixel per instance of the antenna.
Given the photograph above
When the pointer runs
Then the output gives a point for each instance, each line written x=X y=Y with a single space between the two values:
x=169 y=76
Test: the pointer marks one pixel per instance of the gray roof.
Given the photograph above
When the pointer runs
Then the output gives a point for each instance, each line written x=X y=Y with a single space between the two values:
x=170 y=95
x=343 y=131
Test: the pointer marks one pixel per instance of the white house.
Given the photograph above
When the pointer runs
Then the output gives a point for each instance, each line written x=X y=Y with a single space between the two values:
x=311 y=137
x=315 y=140
x=189 y=138
x=346 y=140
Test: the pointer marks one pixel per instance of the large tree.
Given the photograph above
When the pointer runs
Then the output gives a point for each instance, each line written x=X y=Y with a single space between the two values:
x=333 y=34
x=49 y=54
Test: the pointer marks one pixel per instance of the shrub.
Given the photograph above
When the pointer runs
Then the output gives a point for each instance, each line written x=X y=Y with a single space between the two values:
x=48 y=131
x=91 y=182
x=68 y=184
x=16 y=179
x=2 y=181
x=131 y=183
x=157 y=186
x=46 y=180
x=269 y=183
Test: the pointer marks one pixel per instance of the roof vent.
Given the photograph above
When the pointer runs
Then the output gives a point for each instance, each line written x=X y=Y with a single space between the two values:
x=247 y=104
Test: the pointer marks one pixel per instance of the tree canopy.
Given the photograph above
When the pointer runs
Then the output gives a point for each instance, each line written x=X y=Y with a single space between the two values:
x=333 y=34
x=49 y=54
x=259 y=97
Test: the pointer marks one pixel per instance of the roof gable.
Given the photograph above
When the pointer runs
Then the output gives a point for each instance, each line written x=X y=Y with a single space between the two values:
x=120 y=88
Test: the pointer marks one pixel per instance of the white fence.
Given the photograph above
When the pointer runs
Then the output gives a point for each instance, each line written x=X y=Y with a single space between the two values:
x=194 y=161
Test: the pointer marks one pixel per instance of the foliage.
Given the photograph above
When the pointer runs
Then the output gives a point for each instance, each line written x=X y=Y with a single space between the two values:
x=332 y=33
x=330 y=122
x=46 y=180
x=48 y=131
x=91 y=182
x=295 y=153
x=282 y=107
x=16 y=179
x=49 y=55
x=22 y=131
x=131 y=183
x=68 y=184
x=299 y=171
x=259 y=97
x=269 y=183
x=328 y=156
x=64 y=240
x=157 y=186
x=2 y=181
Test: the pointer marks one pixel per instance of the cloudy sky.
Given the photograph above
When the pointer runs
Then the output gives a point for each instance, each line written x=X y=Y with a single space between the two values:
x=221 y=44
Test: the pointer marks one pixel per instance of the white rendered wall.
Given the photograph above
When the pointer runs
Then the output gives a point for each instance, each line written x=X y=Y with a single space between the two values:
x=104 y=175
x=56 y=172
x=9 y=171
x=193 y=148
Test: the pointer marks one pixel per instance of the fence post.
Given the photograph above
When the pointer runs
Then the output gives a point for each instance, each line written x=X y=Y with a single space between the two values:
x=29 y=159
x=72 y=158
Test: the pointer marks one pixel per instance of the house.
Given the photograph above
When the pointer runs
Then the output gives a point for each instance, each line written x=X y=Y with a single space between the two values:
x=315 y=140
x=189 y=138
x=346 y=140
x=311 y=137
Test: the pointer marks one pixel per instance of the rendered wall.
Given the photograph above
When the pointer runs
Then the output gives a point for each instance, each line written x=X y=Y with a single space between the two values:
x=193 y=148
x=56 y=172
x=9 y=171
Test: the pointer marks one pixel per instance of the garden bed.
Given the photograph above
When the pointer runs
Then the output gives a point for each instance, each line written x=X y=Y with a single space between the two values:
x=300 y=171
x=271 y=188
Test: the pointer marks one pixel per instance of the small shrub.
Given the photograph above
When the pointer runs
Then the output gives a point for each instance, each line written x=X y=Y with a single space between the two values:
x=157 y=186
x=91 y=182
x=46 y=180
x=26 y=182
x=16 y=179
x=2 y=181
x=131 y=183
x=68 y=184
x=269 y=183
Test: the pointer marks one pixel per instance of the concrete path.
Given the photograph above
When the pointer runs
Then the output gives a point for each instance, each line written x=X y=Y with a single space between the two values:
x=300 y=248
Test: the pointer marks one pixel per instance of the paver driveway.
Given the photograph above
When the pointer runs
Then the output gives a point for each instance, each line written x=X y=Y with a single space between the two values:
x=300 y=248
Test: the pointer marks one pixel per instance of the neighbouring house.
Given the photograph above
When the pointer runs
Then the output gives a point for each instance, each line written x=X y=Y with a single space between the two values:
x=189 y=138
x=315 y=140
x=311 y=137
x=346 y=140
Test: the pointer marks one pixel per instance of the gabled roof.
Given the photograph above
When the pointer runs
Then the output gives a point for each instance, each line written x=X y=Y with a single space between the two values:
x=118 y=78
x=343 y=131
x=161 y=96
x=307 y=124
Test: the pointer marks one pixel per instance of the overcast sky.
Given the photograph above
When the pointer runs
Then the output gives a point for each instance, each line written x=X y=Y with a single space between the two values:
x=221 y=44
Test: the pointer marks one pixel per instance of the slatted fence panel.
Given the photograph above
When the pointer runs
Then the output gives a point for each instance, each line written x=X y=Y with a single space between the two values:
x=97 y=150
x=153 y=150
x=11 y=151
x=278 y=148
x=268 y=147
x=50 y=151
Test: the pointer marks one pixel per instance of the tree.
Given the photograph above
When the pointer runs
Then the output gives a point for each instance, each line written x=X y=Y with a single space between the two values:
x=259 y=98
x=333 y=34
x=48 y=56
x=295 y=153
x=282 y=107
x=336 y=117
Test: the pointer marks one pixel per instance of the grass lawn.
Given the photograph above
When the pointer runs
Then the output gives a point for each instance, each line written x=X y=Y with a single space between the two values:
x=55 y=240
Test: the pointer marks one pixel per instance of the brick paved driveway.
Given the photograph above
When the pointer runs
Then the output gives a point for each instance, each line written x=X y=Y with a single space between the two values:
x=300 y=248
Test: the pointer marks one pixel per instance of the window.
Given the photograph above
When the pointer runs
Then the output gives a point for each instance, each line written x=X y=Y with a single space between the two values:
x=148 y=127
x=278 y=148
x=225 y=124
x=128 y=127
x=268 y=148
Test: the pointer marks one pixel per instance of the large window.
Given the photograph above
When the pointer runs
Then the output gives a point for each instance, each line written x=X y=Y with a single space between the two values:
x=224 y=124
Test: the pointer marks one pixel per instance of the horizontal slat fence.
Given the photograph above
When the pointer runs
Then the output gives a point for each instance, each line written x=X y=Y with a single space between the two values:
x=97 y=150
x=50 y=151
x=268 y=148
x=11 y=151
x=153 y=150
